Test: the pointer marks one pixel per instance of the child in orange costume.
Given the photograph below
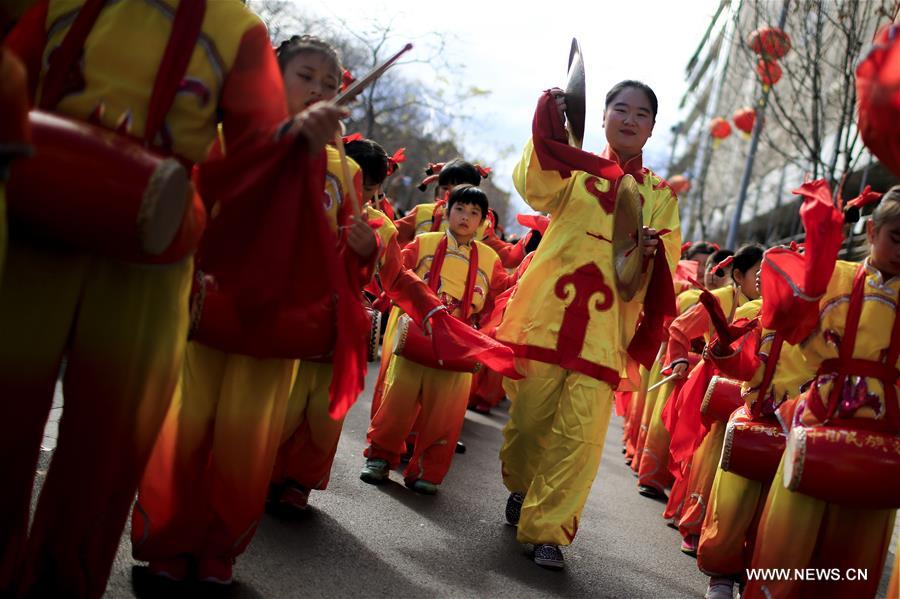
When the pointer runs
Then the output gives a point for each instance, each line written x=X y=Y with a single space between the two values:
x=689 y=443
x=469 y=275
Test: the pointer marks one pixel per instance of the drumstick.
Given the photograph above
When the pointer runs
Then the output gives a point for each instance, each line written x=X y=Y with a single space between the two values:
x=671 y=377
x=345 y=168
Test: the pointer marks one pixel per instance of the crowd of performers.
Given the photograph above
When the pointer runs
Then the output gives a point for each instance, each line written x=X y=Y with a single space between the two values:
x=209 y=352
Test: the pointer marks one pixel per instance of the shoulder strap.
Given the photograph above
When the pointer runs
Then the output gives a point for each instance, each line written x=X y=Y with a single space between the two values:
x=186 y=28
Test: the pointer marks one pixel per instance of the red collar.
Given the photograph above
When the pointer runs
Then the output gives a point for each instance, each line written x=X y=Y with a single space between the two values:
x=633 y=166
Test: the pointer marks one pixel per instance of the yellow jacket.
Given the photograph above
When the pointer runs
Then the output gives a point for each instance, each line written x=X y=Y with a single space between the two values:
x=575 y=260
x=873 y=337
x=491 y=279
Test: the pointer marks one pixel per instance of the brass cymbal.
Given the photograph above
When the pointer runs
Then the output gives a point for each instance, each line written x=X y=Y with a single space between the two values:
x=628 y=234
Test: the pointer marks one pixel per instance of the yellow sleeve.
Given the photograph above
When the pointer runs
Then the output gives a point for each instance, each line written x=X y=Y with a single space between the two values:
x=665 y=219
x=542 y=190
x=385 y=231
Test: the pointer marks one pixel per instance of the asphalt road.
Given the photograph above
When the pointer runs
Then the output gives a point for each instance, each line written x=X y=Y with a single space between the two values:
x=357 y=540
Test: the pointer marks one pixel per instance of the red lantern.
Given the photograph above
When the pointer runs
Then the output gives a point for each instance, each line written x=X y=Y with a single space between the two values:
x=769 y=42
x=719 y=128
x=769 y=72
x=679 y=184
x=744 y=119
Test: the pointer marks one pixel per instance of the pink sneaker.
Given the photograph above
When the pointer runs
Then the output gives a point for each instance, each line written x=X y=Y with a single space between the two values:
x=689 y=545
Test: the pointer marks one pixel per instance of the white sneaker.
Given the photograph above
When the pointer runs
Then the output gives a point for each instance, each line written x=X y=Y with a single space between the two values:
x=720 y=587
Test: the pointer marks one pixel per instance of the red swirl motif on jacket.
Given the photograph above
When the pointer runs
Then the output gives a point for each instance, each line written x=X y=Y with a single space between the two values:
x=586 y=282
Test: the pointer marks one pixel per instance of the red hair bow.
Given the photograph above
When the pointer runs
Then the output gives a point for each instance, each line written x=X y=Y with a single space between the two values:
x=686 y=246
x=484 y=171
x=395 y=160
x=346 y=80
x=355 y=137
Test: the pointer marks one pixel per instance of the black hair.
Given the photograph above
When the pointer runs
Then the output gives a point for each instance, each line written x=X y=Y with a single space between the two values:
x=701 y=247
x=459 y=171
x=746 y=257
x=468 y=194
x=716 y=258
x=298 y=44
x=622 y=85
x=371 y=158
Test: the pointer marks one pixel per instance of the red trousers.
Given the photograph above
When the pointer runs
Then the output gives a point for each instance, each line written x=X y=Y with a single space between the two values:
x=440 y=397
x=121 y=328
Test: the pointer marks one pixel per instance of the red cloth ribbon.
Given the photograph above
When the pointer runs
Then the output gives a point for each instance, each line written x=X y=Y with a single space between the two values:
x=270 y=248
x=553 y=151
x=689 y=429
x=538 y=222
x=659 y=302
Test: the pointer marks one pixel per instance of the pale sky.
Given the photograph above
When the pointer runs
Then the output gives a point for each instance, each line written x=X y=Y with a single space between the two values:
x=516 y=50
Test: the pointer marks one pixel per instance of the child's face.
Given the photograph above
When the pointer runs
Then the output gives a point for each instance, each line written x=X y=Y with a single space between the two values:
x=465 y=219
x=885 y=253
x=748 y=281
x=310 y=77
x=628 y=121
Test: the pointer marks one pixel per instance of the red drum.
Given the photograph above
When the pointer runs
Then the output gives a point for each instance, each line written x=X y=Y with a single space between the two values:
x=90 y=187
x=752 y=448
x=414 y=345
x=851 y=467
x=722 y=398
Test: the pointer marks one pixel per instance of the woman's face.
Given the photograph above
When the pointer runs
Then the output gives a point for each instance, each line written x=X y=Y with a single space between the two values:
x=885 y=253
x=747 y=281
x=628 y=121
x=310 y=77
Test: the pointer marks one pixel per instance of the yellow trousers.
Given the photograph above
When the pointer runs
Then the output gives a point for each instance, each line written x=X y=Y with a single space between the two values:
x=552 y=447
x=121 y=328
x=654 y=467
x=727 y=538
x=649 y=379
x=703 y=472
x=310 y=438
x=432 y=400
x=204 y=489
x=799 y=531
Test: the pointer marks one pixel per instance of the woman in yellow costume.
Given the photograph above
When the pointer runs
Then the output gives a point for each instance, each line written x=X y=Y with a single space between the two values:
x=850 y=335
x=567 y=323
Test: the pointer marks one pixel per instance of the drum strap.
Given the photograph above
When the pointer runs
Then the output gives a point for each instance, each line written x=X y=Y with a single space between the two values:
x=768 y=375
x=437 y=216
x=437 y=264
x=846 y=365
x=186 y=29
